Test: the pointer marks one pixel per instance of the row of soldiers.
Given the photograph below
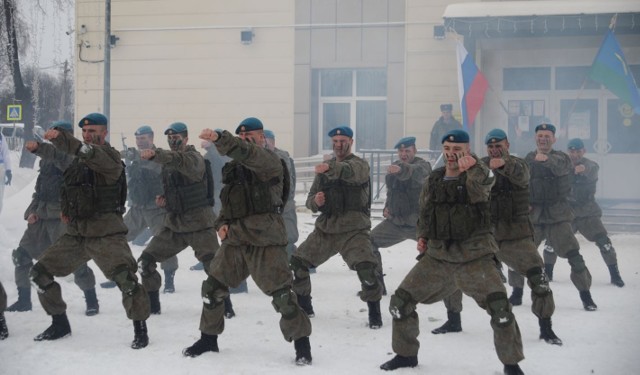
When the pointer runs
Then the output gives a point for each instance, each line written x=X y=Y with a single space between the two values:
x=461 y=214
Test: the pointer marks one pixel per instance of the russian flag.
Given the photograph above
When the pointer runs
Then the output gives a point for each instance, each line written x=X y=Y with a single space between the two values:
x=472 y=86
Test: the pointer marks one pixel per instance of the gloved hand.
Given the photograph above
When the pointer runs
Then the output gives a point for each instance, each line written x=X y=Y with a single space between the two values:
x=7 y=177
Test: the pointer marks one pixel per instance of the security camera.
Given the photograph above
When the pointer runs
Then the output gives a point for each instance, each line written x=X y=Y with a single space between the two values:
x=69 y=32
x=86 y=44
x=83 y=30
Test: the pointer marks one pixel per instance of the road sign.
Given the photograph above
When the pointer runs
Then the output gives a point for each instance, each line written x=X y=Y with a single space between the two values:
x=14 y=112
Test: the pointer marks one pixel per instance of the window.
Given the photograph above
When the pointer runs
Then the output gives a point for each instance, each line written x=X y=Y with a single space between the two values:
x=517 y=79
x=571 y=78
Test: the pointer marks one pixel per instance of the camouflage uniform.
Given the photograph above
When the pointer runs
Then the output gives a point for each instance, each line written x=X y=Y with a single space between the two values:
x=551 y=216
x=454 y=218
x=588 y=216
x=256 y=238
x=4 y=331
x=189 y=220
x=440 y=128
x=145 y=183
x=343 y=227
x=3 y=298
x=289 y=214
x=403 y=194
x=45 y=203
x=216 y=161
x=96 y=233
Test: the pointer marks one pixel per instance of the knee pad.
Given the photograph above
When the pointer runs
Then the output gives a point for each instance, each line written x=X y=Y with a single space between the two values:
x=401 y=305
x=213 y=293
x=20 y=257
x=283 y=301
x=538 y=281
x=144 y=264
x=40 y=278
x=498 y=306
x=604 y=244
x=299 y=267
x=367 y=274
x=576 y=261
x=125 y=279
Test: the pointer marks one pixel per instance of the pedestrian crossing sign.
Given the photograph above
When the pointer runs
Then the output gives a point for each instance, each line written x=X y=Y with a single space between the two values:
x=14 y=112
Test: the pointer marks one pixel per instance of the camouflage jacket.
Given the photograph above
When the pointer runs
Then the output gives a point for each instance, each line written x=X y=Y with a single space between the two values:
x=403 y=191
x=550 y=177
x=583 y=190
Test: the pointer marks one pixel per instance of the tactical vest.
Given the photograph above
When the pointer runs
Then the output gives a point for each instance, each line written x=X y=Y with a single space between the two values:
x=545 y=187
x=49 y=182
x=182 y=194
x=449 y=213
x=83 y=196
x=144 y=184
x=244 y=194
x=403 y=196
x=582 y=190
x=342 y=196
x=508 y=201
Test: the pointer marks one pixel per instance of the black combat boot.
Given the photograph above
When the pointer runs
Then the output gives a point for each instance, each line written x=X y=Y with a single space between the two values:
x=547 y=334
x=399 y=361
x=303 y=351
x=513 y=370
x=207 y=343
x=305 y=304
x=93 y=308
x=154 y=302
x=453 y=324
x=615 y=276
x=375 y=317
x=58 y=329
x=587 y=302
x=228 y=308
x=384 y=287
x=24 y=301
x=140 y=337
x=516 y=297
x=4 y=331
x=108 y=284
x=548 y=270
x=168 y=281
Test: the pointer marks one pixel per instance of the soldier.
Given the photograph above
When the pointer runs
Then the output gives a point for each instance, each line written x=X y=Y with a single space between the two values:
x=445 y=123
x=188 y=200
x=587 y=212
x=454 y=233
x=44 y=225
x=92 y=199
x=5 y=167
x=404 y=181
x=289 y=214
x=513 y=231
x=4 y=331
x=145 y=184
x=341 y=192
x=253 y=238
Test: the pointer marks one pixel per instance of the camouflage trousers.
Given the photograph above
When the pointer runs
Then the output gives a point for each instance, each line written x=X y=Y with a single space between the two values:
x=561 y=238
x=387 y=234
x=110 y=253
x=3 y=298
x=35 y=240
x=431 y=280
x=268 y=266
x=520 y=256
x=167 y=244
x=291 y=224
x=355 y=249
x=138 y=218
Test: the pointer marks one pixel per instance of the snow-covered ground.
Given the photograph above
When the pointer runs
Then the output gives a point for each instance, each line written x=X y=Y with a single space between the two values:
x=602 y=342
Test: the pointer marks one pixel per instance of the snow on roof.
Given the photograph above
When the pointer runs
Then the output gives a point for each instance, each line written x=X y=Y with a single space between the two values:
x=539 y=8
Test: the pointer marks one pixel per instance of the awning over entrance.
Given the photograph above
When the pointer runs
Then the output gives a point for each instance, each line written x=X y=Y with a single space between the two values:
x=541 y=18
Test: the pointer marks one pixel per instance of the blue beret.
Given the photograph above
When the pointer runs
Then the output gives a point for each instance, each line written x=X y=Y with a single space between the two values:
x=456 y=136
x=575 y=144
x=341 y=130
x=249 y=124
x=62 y=125
x=93 y=119
x=495 y=135
x=406 y=142
x=269 y=134
x=175 y=128
x=446 y=107
x=545 y=126
x=144 y=129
